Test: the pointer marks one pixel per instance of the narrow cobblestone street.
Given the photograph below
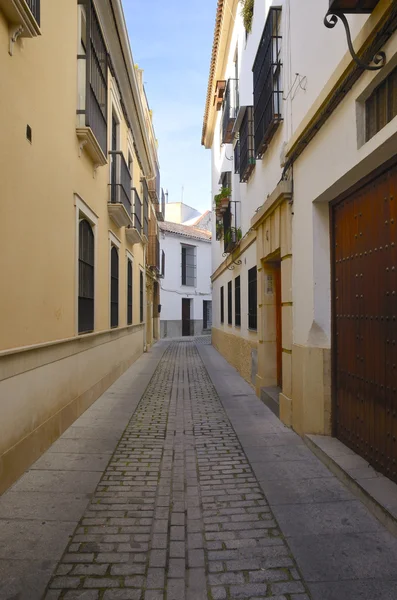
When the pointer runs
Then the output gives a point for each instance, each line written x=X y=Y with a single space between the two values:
x=178 y=511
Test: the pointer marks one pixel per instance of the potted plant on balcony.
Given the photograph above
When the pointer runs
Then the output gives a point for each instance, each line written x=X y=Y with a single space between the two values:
x=222 y=200
x=219 y=231
x=248 y=13
x=232 y=237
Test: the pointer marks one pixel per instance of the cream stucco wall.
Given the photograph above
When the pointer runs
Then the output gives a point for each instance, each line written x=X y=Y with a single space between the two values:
x=49 y=374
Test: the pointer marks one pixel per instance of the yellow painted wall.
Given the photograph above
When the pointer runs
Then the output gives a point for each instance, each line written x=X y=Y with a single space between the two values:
x=236 y=350
x=48 y=374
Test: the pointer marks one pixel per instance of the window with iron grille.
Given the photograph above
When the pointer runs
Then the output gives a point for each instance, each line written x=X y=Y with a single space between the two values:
x=247 y=145
x=222 y=305
x=34 y=6
x=129 y=292
x=230 y=108
x=252 y=299
x=381 y=106
x=141 y=297
x=188 y=265
x=86 y=278
x=237 y=157
x=93 y=74
x=114 y=287
x=268 y=92
x=226 y=179
x=229 y=304
x=237 y=302
x=145 y=193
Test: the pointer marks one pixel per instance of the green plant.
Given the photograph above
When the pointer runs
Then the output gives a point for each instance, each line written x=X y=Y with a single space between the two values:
x=233 y=235
x=224 y=192
x=219 y=231
x=248 y=13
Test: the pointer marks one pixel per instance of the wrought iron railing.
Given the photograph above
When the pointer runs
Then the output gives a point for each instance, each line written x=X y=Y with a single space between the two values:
x=247 y=145
x=237 y=157
x=145 y=191
x=268 y=92
x=34 y=6
x=93 y=74
x=137 y=216
x=230 y=109
x=120 y=184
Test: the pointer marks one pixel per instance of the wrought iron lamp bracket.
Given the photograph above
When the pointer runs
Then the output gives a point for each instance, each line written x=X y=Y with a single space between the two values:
x=379 y=59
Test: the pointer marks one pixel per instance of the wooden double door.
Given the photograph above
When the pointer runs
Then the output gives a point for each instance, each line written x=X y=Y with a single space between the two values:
x=364 y=312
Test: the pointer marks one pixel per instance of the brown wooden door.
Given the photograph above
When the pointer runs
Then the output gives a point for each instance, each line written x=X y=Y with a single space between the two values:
x=186 y=326
x=279 y=333
x=365 y=321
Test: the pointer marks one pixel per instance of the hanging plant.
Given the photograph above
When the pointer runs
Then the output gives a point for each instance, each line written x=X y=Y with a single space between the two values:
x=219 y=231
x=248 y=13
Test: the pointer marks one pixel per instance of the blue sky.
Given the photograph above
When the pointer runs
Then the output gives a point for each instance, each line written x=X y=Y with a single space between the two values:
x=172 y=41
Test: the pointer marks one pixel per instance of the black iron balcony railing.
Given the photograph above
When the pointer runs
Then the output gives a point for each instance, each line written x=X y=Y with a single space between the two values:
x=268 y=91
x=120 y=181
x=230 y=109
x=34 y=6
x=137 y=216
x=237 y=157
x=93 y=77
x=247 y=145
x=145 y=207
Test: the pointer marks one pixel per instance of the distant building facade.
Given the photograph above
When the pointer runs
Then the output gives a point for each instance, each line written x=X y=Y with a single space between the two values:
x=186 y=285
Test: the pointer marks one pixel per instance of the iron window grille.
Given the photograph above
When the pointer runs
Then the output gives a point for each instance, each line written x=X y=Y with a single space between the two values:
x=381 y=106
x=162 y=275
x=34 y=7
x=268 y=94
x=114 y=287
x=237 y=302
x=120 y=183
x=154 y=186
x=129 y=292
x=247 y=145
x=230 y=108
x=86 y=278
x=145 y=193
x=230 y=238
x=189 y=265
x=237 y=157
x=137 y=217
x=222 y=306
x=94 y=56
x=229 y=303
x=141 y=297
x=252 y=299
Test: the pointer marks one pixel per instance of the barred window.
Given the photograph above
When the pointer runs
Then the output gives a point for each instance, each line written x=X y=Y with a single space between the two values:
x=252 y=299
x=189 y=265
x=222 y=306
x=247 y=145
x=114 y=287
x=381 y=106
x=129 y=292
x=237 y=302
x=141 y=297
x=86 y=278
x=229 y=304
x=268 y=92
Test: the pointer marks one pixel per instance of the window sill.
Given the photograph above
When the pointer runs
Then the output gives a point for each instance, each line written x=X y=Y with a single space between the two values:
x=133 y=236
x=253 y=330
x=20 y=17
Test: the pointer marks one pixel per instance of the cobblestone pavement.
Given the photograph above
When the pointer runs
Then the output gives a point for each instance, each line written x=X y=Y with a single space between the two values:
x=178 y=512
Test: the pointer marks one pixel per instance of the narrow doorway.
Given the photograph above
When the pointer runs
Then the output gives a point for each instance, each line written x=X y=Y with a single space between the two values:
x=279 y=333
x=186 y=318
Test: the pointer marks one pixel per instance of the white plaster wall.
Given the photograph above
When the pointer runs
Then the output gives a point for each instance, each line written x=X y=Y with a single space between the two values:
x=178 y=212
x=331 y=164
x=172 y=290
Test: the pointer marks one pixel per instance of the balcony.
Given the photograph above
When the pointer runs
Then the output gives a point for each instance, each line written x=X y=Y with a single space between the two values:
x=230 y=109
x=119 y=205
x=352 y=6
x=134 y=230
x=23 y=17
x=154 y=187
x=219 y=93
x=92 y=73
x=145 y=191
x=153 y=253
x=247 y=145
